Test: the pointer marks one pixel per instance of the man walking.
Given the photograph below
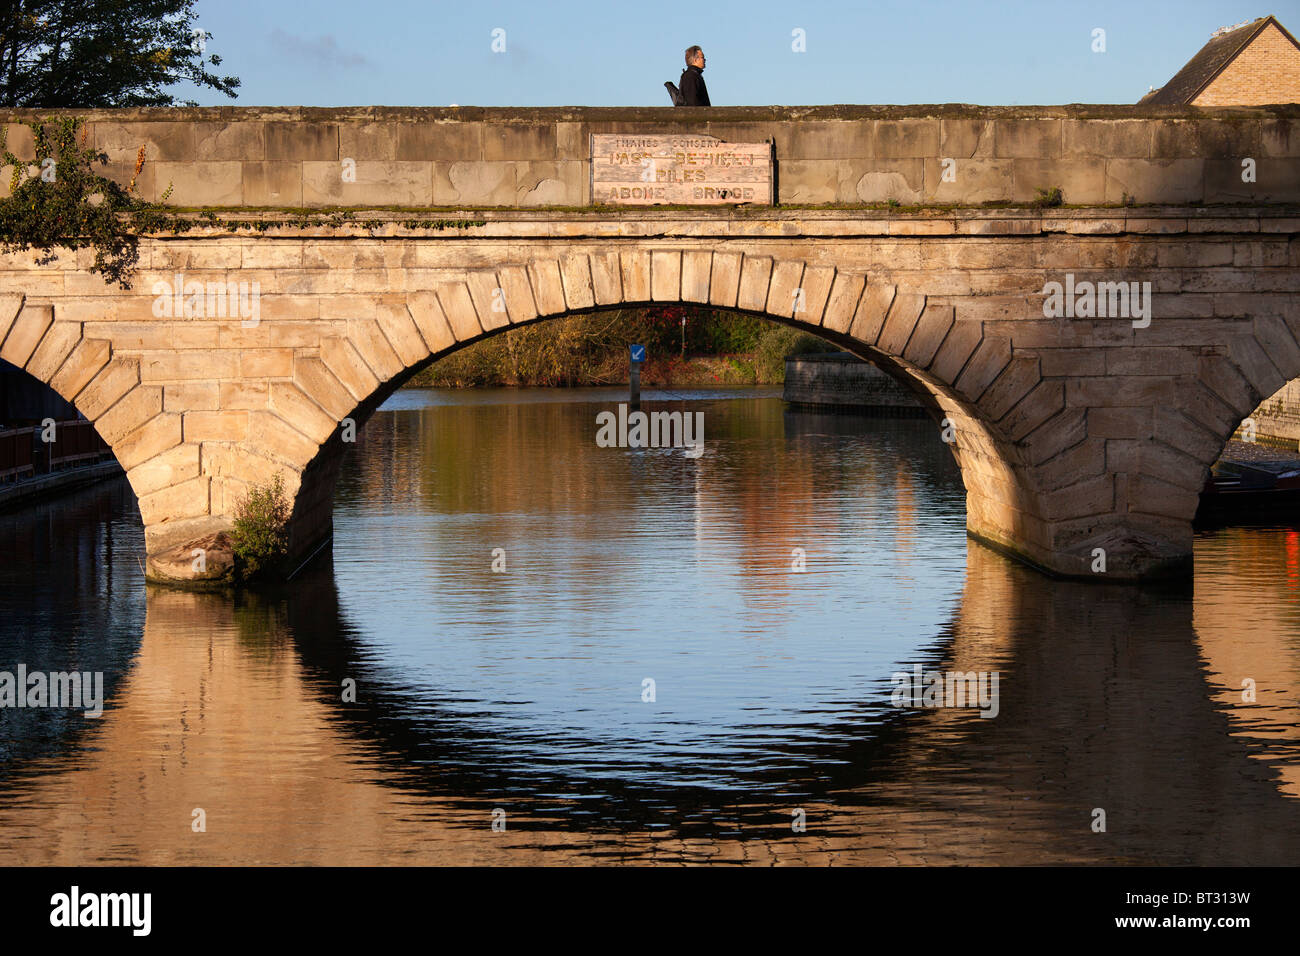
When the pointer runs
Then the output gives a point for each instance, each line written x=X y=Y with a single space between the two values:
x=693 y=89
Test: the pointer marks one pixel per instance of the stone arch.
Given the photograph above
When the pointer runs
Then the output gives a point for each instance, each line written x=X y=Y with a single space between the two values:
x=105 y=389
x=992 y=399
x=1072 y=435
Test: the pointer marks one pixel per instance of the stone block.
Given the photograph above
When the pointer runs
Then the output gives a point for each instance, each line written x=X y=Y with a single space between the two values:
x=302 y=141
x=872 y=308
x=607 y=279
x=488 y=298
x=429 y=318
x=129 y=412
x=885 y=180
x=958 y=346
x=842 y=303
x=152 y=438
x=755 y=277
x=1155 y=180
x=26 y=333
x=319 y=384
x=272 y=184
x=784 y=290
x=440 y=140
x=985 y=365
x=1015 y=382
x=665 y=275
x=1043 y=401
x=192 y=396
x=187 y=499
x=224 y=425
x=201 y=184
x=519 y=141
x=87 y=359
x=972 y=180
x=1107 y=139
x=816 y=285
x=517 y=291
x=928 y=335
x=1029 y=138
x=1081 y=180
x=53 y=350
x=374 y=348
x=113 y=381
x=163 y=142
x=297 y=409
x=170 y=468
x=575 y=276
x=697 y=265
x=376 y=183
x=241 y=140
x=724 y=281
x=271 y=437
x=899 y=323
x=266 y=363
x=548 y=289
x=1183 y=139
x=201 y=365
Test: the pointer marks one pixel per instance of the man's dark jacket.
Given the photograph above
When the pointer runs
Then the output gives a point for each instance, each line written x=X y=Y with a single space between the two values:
x=693 y=88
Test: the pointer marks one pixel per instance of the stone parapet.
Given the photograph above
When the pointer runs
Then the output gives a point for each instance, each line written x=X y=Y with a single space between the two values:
x=448 y=157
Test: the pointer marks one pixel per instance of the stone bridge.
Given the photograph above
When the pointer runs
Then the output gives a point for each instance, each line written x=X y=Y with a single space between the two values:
x=904 y=235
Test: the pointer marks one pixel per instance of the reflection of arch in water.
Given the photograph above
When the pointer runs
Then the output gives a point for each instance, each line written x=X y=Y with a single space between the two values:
x=1088 y=676
x=1104 y=703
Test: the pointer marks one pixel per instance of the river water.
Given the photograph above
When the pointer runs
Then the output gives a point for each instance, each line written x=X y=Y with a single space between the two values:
x=526 y=648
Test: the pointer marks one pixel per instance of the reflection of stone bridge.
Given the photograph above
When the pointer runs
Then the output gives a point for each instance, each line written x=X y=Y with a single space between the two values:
x=1074 y=431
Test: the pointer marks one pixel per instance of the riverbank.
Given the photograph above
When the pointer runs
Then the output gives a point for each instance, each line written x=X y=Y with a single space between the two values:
x=700 y=371
x=27 y=490
x=685 y=347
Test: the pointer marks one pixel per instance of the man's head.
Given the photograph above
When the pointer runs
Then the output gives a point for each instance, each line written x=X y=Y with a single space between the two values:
x=695 y=57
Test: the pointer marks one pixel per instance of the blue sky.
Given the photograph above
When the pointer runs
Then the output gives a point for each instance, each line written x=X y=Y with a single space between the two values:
x=557 y=53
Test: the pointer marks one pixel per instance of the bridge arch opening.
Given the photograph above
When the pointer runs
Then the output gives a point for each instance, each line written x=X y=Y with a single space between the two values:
x=913 y=338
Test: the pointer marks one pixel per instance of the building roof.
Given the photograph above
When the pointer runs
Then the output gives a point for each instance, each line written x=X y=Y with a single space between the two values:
x=1212 y=59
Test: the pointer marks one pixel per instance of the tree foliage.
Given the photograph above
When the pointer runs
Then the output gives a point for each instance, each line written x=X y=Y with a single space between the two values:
x=58 y=54
x=60 y=201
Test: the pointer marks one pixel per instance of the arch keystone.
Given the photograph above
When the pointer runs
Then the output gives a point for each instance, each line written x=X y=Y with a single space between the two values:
x=666 y=275
x=697 y=264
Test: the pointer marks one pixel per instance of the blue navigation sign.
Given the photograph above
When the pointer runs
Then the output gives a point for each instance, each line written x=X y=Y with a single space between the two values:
x=637 y=352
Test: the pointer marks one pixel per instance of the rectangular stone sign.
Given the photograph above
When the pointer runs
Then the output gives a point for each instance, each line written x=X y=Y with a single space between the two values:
x=645 y=169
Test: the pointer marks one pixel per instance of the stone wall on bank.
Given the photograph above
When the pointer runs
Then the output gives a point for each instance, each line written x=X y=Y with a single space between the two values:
x=839 y=380
x=1277 y=420
x=519 y=157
